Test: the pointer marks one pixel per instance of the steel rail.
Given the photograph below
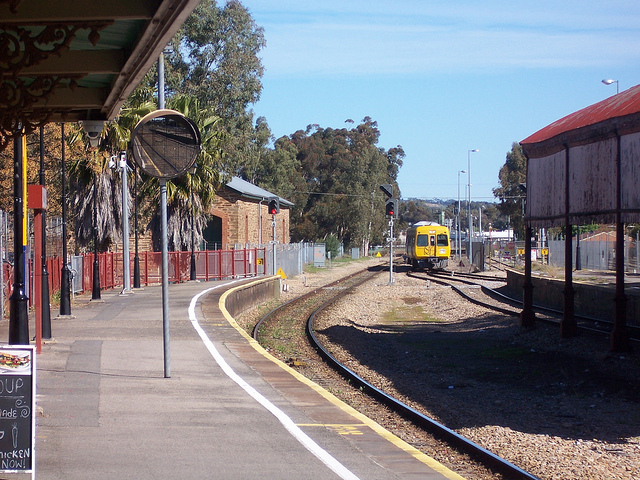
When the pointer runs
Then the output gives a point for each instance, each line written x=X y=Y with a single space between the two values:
x=315 y=291
x=463 y=444
x=633 y=330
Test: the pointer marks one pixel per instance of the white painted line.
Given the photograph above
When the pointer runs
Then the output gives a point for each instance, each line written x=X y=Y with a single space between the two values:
x=293 y=429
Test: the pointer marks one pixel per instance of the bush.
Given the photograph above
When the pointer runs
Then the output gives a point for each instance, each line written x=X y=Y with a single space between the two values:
x=332 y=244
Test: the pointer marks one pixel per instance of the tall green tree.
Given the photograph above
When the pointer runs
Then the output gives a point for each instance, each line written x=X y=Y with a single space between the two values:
x=341 y=170
x=255 y=152
x=512 y=189
x=215 y=59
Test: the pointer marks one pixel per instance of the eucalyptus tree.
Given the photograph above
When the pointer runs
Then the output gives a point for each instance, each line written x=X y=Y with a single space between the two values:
x=511 y=192
x=215 y=58
x=342 y=170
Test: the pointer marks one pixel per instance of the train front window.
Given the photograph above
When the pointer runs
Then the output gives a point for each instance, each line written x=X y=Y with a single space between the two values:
x=443 y=241
x=433 y=240
x=422 y=241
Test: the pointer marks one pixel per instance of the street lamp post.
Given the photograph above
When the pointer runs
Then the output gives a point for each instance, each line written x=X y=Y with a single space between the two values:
x=65 y=274
x=126 y=275
x=95 y=290
x=458 y=242
x=470 y=253
x=136 y=257
x=93 y=130
x=192 y=266
x=609 y=81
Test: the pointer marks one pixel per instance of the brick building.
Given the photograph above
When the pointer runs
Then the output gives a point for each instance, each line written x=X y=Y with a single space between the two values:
x=240 y=217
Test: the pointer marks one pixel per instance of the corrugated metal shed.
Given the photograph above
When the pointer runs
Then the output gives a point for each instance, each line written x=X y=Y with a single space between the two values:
x=249 y=190
x=583 y=168
x=586 y=165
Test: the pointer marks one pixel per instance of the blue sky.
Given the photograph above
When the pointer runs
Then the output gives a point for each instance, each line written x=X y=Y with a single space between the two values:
x=443 y=77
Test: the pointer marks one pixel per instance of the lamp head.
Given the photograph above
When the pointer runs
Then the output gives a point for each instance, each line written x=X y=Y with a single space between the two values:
x=93 y=129
x=608 y=81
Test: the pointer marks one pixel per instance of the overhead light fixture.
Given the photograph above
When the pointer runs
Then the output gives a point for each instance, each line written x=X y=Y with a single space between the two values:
x=609 y=81
x=93 y=129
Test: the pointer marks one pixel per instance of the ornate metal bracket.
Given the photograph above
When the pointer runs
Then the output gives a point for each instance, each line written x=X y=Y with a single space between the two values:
x=13 y=5
x=18 y=97
x=21 y=48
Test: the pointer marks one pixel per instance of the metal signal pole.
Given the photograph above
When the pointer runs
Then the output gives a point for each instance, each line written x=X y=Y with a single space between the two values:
x=391 y=251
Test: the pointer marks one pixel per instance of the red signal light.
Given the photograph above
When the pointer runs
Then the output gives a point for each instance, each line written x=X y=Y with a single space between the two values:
x=391 y=208
x=274 y=206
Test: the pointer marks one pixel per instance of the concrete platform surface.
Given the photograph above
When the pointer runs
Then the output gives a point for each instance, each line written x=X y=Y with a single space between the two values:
x=227 y=411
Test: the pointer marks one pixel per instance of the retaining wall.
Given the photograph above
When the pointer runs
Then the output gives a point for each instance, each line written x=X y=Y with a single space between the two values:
x=252 y=294
x=592 y=300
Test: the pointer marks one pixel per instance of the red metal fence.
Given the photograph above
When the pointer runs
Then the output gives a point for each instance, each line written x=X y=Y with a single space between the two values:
x=210 y=265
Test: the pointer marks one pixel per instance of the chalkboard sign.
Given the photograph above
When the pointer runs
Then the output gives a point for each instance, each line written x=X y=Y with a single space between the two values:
x=17 y=405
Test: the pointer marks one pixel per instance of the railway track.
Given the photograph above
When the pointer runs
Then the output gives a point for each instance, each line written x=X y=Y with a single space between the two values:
x=288 y=322
x=490 y=298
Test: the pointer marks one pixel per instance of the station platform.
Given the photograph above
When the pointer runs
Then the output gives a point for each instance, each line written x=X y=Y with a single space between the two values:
x=226 y=411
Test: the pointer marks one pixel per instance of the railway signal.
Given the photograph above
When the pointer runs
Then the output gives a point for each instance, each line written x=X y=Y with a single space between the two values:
x=391 y=207
x=274 y=205
x=387 y=188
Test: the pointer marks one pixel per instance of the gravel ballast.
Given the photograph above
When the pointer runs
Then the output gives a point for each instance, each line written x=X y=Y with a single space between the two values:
x=558 y=408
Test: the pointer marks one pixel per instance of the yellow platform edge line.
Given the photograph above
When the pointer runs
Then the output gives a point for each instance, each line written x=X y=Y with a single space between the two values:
x=380 y=430
x=331 y=424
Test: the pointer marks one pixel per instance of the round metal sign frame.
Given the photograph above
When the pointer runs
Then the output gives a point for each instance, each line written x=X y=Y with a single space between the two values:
x=165 y=143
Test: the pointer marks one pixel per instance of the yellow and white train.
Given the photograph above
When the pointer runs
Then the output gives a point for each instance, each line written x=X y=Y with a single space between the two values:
x=428 y=246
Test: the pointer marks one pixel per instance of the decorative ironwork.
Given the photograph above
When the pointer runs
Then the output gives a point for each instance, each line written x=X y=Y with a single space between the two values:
x=13 y=5
x=18 y=98
x=22 y=47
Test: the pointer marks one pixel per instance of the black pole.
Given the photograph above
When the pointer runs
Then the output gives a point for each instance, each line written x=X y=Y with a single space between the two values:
x=18 y=318
x=46 y=308
x=95 y=290
x=65 y=274
x=568 y=324
x=136 y=258
x=578 y=255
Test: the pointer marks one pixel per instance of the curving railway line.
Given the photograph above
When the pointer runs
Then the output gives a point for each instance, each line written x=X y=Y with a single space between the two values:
x=475 y=290
x=281 y=331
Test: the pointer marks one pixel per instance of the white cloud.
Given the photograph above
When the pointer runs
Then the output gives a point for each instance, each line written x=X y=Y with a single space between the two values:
x=415 y=37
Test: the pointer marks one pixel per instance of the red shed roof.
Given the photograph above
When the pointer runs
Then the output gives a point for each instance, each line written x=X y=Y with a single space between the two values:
x=615 y=107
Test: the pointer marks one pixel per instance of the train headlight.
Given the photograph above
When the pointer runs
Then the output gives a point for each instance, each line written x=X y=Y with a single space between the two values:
x=443 y=251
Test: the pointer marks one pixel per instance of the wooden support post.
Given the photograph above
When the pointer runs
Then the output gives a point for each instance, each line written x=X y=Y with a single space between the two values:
x=568 y=325
x=527 y=316
x=620 y=336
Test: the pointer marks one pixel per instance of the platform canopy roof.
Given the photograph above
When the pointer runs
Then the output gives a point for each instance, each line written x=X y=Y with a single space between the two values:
x=585 y=167
x=71 y=60
x=618 y=113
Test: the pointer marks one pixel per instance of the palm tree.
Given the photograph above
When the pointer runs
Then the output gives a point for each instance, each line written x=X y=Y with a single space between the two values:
x=188 y=197
x=92 y=181
x=191 y=195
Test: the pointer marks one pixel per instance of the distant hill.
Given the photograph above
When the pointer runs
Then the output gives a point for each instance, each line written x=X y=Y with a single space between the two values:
x=431 y=202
